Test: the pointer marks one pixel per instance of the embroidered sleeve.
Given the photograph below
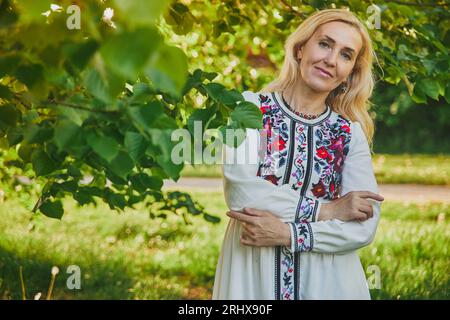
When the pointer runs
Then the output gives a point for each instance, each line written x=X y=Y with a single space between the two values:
x=336 y=236
x=307 y=209
x=301 y=236
x=243 y=188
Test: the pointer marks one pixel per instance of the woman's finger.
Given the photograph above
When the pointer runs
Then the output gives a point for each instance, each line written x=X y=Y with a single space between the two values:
x=240 y=216
x=371 y=195
x=367 y=209
x=247 y=230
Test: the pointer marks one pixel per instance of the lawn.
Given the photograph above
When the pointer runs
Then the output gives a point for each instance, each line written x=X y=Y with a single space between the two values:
x=130 y=256
x=417 y=169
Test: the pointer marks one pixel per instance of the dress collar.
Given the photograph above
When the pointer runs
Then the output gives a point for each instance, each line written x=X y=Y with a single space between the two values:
x=277 y=97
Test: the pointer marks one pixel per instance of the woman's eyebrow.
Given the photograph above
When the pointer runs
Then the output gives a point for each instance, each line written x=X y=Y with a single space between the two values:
x=334 y=41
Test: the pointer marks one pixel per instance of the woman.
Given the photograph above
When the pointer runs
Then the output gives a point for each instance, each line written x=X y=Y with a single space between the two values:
x=309 y=201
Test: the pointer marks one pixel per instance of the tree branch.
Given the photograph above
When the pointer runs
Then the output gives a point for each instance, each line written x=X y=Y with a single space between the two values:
x=301 y=14
x=417 y=4
x=75 y=106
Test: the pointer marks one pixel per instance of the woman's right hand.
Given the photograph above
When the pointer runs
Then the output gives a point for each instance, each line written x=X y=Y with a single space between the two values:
x=353 y=206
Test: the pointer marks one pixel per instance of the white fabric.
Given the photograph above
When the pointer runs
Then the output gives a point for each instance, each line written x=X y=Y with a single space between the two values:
x=332 y=270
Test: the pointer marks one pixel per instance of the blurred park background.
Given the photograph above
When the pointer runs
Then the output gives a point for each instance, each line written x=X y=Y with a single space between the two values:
x=86 y=111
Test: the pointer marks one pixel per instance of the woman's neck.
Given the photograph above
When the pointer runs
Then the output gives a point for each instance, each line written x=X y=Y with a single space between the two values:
x=303 y=99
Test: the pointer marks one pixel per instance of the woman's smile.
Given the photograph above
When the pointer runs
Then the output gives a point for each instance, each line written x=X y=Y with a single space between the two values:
x=323 y=73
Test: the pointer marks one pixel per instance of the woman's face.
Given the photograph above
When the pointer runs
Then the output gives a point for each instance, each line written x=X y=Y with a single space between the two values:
x=328 y=57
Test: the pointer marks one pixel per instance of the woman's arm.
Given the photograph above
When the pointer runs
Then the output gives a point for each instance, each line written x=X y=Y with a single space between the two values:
x=336 y=236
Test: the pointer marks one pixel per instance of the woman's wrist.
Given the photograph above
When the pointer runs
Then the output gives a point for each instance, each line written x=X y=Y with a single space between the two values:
x=286 y=235
x=325 y=212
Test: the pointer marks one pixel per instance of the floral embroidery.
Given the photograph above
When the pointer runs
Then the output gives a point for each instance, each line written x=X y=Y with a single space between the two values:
x=301 y=158
x=303 y=236
x=332 y=139
x=287 y=271
x=306 y=209
x=274 y=137
x=318 y=189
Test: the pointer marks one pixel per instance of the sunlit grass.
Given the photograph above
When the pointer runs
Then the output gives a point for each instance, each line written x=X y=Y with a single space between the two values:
x=130 y=256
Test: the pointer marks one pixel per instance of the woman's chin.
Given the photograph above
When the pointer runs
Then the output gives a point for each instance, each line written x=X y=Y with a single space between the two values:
x=319 y=86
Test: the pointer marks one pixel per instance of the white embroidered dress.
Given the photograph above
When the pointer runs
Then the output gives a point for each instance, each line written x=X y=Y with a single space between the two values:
x=304 y=163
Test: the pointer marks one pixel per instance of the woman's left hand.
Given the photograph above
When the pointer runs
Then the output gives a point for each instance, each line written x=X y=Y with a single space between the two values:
x=261 y=228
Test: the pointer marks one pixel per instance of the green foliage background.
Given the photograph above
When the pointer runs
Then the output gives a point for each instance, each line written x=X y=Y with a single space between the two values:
x=87 y=114
x=102 y=100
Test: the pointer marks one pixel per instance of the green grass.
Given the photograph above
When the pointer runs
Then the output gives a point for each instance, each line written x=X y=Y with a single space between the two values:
x=417 y=169
x=130 y=256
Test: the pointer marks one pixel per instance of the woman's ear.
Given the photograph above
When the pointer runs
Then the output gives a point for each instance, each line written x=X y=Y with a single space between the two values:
x=298 y=52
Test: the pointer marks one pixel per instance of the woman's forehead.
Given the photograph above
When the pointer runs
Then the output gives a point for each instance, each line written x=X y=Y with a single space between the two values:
x=340 y=33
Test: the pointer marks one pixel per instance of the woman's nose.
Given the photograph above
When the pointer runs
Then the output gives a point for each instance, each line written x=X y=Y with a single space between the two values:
x=331 y=58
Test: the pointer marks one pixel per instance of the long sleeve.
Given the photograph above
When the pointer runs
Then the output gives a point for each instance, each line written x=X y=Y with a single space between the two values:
x=243 y=188
x=336 y=236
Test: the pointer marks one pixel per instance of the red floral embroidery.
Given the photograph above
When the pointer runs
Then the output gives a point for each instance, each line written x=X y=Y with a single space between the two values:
x=278 y=145
x=272 y=178
x=264 y=109
x=318 y=189
x=322 y=153
x=346 y=128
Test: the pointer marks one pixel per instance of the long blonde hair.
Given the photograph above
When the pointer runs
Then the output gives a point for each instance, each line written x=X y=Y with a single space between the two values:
x=354 y=103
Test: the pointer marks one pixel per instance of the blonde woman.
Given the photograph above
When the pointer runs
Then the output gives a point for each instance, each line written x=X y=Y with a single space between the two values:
x=309 y=201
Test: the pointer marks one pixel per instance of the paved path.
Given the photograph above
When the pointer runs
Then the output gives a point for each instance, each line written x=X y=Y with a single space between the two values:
x=393 y=192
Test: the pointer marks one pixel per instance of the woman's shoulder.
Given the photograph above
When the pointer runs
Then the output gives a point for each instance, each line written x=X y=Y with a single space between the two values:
x=257 y=97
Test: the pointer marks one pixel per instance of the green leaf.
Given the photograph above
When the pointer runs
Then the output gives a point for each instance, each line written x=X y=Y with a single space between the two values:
x=30 y=75
x=25 y=152
x=135 y=144
x=115 y=200
x=83 y=197
x=179 y=18
x=121 y=165
x=142 y=182
x=69 y=186
x=247 y=115
x=220 y=94
x=42 y=163
x=127 y=53
x=8 y=64
x=428 y=87
x=145 y=115
x=7 y=17
x=203 y=115
x=5 y=93
x=235 y=135
x=168 y=69
x=104 y=87
x=65 y=131
x=210 y=218
x=447 y=92
x=162 y=139
x=79 y=54
x=141 y=93
x=31 y=10
x=52 y=209
x=8 y=116
x=105 y=147
x=37 y=133
x=215 y=91
x=171 y=169
x=140 y=12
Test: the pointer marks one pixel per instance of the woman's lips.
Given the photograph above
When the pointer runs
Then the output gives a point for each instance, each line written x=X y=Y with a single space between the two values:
x=323 y=72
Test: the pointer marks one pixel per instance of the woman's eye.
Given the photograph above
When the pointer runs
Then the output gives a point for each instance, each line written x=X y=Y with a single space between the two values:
x=323 y=44
x=346 y=56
